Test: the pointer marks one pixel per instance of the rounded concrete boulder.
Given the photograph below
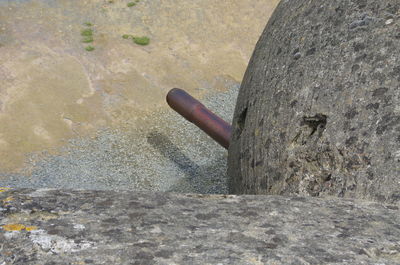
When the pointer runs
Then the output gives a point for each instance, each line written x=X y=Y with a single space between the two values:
x=318 y=111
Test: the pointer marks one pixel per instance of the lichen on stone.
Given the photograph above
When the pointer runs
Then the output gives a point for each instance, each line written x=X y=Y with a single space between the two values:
x=31 y=228
x=13 y=227
x=8 y=199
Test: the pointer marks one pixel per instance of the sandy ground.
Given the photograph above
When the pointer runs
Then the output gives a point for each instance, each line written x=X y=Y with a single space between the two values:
x=97 y=119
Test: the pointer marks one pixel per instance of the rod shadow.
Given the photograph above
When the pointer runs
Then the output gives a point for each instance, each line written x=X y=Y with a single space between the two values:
x=210 y=178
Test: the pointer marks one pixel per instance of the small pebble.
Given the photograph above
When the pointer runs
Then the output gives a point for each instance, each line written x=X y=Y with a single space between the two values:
x=297 y=55
x=357 y=23
x=389 y=21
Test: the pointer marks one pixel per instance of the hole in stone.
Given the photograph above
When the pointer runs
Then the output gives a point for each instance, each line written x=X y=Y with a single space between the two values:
x=317 y=122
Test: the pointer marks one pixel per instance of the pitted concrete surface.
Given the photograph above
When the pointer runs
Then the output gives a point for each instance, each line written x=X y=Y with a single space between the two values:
x=74 y=118
x=318 y=111
x=106 y=227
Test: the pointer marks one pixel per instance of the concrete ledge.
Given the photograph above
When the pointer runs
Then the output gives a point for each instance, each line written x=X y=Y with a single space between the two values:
x=92 y=227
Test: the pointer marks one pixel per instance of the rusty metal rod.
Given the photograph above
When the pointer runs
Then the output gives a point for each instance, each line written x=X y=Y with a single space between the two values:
x=195 y=112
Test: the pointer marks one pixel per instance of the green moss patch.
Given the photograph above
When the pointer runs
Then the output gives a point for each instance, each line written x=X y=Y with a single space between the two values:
x=87 y=32
x=126 y=36
x=88 y=24
x=87 y=39
x=144 y=40
x=89 y=48
x=130 y=4
x=141 y=40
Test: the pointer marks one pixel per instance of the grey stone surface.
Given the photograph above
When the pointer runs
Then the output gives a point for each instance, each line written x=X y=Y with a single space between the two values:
x=106 y=227
x=318 y=112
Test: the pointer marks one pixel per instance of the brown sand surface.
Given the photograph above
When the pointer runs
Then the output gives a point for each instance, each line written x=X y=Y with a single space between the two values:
x=53 y=91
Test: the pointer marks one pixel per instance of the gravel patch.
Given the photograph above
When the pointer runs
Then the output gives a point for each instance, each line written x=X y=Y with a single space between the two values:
x=170 y=154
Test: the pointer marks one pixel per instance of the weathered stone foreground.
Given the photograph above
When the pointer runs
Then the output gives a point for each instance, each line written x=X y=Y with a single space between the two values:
x=89 y=227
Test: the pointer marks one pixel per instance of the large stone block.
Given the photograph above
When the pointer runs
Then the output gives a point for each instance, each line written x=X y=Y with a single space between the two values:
x=318 y=112
x=106 y=227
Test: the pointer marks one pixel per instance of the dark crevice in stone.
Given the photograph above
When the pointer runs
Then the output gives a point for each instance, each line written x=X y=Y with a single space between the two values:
x=315 y=122
x=241 y=121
